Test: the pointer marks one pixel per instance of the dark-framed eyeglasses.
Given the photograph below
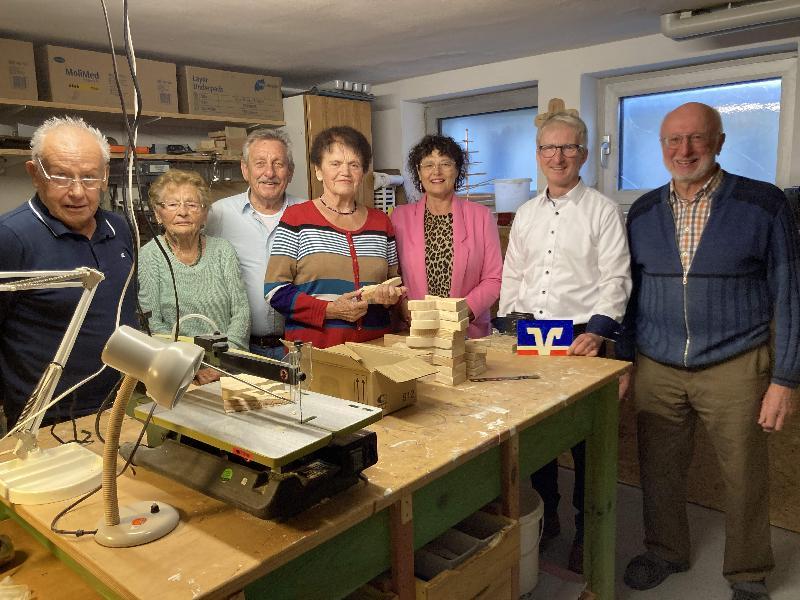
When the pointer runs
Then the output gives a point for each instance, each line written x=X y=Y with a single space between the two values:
x=61 y=181
x=567 y=150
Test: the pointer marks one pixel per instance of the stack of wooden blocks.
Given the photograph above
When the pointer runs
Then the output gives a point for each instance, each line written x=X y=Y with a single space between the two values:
x=475 y=356
x=441 y=324
x=228 y=141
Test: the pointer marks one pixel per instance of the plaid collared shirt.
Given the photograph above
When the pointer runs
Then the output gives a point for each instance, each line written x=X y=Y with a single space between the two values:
x=691 y=216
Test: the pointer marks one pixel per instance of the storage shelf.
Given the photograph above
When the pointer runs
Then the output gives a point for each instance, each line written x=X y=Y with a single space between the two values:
x=193 y=157
x=36 y=107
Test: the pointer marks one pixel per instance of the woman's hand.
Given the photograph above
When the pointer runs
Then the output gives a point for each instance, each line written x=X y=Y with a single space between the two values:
x=205 y=376
x=347 y=307
x=388 y=295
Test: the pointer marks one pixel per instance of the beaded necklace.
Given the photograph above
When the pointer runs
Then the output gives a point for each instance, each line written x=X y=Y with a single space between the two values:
x=336 y=210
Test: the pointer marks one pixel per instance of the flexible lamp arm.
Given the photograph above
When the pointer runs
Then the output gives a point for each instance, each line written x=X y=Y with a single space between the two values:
x=45 y=388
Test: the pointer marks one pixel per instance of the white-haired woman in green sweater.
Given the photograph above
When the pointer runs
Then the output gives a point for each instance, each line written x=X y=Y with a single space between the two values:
x=211 y=294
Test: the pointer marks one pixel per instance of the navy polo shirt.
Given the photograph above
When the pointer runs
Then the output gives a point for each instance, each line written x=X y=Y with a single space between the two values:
x=33 y=322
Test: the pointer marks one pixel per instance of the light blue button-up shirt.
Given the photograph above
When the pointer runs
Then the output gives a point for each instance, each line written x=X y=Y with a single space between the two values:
x=235 y=220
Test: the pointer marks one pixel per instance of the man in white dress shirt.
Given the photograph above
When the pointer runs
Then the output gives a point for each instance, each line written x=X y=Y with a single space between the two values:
x=567 y=258
x=248 y=221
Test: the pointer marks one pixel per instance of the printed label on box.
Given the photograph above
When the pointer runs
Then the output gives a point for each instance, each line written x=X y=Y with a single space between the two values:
x=544 y=337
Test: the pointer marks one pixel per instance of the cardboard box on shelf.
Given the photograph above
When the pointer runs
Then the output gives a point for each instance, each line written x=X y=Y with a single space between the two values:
x=368 y=374
x=17 y=70
x=224 y=93
x=75 y=76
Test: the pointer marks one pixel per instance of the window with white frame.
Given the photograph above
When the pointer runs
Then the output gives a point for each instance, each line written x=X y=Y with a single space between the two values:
x=500 y=130
x=754 y=96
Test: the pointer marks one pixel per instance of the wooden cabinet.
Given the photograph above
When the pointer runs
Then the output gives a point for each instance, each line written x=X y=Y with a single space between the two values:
x=308 y=115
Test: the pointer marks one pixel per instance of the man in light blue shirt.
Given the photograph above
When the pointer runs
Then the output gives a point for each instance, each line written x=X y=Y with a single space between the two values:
x=248 y=221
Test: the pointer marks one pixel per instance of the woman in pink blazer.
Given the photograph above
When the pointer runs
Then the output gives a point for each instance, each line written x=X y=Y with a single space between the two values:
x=447 y=246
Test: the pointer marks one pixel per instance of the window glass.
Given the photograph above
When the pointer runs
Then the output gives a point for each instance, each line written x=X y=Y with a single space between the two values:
x=502 y=145
x=750 y=115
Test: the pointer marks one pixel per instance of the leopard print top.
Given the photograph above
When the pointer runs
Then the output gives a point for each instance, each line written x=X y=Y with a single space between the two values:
x=439 y=253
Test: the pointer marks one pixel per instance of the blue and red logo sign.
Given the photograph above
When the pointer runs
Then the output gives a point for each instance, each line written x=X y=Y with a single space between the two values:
x=544 y=338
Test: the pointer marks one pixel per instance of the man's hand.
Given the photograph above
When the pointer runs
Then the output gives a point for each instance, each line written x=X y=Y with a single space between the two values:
x=777 y=406
x=586 y=344
x=388 y=295
x=347 y=307
x=205 y=376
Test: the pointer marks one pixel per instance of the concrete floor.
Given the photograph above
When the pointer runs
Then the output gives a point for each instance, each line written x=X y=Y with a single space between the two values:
x=704 y=580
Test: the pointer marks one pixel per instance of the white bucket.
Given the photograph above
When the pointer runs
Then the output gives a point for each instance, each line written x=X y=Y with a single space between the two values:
x=530 y=533
x=510 y=194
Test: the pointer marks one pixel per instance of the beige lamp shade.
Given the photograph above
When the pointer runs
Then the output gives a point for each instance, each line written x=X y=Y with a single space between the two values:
x=165 y=368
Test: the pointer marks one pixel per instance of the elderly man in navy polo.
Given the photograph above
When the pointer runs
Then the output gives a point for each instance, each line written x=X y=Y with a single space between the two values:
x=62 y=227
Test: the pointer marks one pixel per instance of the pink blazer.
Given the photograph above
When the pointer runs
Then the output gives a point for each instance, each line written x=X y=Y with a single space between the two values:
x=477 y=262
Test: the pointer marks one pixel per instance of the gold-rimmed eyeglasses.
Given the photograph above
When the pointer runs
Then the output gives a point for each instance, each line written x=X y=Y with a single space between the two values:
x=444 y=165
x=62 y=181
x=173 y=206
x=698 y=140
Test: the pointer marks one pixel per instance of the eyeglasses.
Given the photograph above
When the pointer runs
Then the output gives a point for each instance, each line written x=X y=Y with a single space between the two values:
x=567 y=150
x=444 y=165
x=695 y=139
x=60 y=181
x=190 y=206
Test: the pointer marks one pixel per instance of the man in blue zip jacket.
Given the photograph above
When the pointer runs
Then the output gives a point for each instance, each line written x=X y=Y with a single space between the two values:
x=714 y=260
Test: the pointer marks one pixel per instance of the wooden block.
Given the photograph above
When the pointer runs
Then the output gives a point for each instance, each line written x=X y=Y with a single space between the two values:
x=424 y=315
x=471 y=360
x=452 y=371
x=425 y=324
x=434 y=298
x=478 y=346
x=238 y=396
x=475 y=371
x=447 y=343
x=447 y=380
x=421 y=305
x=415 y=341
x=422 y=332
x=447 y=361
x=390 y=339
x=454 y=325
x=452 y=304
x=448 y=352
x=447 y=315
x=368 y=290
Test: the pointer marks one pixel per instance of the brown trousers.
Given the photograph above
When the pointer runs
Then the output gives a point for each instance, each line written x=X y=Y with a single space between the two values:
x=726 y=398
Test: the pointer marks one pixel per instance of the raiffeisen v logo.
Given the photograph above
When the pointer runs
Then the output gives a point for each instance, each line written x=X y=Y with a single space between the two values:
x=544 y=338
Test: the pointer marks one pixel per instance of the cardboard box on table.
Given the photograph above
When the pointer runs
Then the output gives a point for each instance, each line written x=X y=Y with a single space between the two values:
x=368 y=374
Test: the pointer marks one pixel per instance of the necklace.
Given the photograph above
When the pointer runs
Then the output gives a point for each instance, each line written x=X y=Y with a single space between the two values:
x=336 y=210
x=199 y=249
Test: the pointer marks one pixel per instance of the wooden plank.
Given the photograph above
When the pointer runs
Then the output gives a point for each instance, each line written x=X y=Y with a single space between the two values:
x=402 y=537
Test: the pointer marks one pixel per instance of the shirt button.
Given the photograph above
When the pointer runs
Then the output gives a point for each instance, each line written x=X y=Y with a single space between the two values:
x=549 y=251
x=685 y=254
x=551 y=231
x=687 y=230
x=547 y=272
x=541 y=312
x=544 y=292
x=556 y=212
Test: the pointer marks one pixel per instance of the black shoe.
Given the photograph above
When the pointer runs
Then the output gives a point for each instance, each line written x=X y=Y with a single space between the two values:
x=750 y=590
x=551 y=526
x=575 y=562
x=649 y=570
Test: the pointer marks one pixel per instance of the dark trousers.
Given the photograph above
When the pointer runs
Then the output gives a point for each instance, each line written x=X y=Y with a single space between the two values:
x=545 y=480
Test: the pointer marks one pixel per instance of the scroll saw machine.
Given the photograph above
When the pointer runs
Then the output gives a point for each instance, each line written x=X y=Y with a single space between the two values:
x=271 y=462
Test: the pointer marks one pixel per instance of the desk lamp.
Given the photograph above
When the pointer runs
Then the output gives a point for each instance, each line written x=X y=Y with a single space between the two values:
x=166 y=369
x=38 y=476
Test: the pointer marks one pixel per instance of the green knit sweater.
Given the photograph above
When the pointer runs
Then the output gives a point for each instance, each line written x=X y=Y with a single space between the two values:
x=213 y=288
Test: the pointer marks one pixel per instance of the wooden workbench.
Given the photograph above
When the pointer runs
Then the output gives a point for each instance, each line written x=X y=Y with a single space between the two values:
x=439 y=460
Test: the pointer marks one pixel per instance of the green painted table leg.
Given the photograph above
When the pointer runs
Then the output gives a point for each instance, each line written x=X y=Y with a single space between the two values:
x=601 y=489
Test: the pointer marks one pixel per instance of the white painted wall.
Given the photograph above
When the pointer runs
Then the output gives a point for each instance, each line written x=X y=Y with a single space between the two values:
x=572 y=75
